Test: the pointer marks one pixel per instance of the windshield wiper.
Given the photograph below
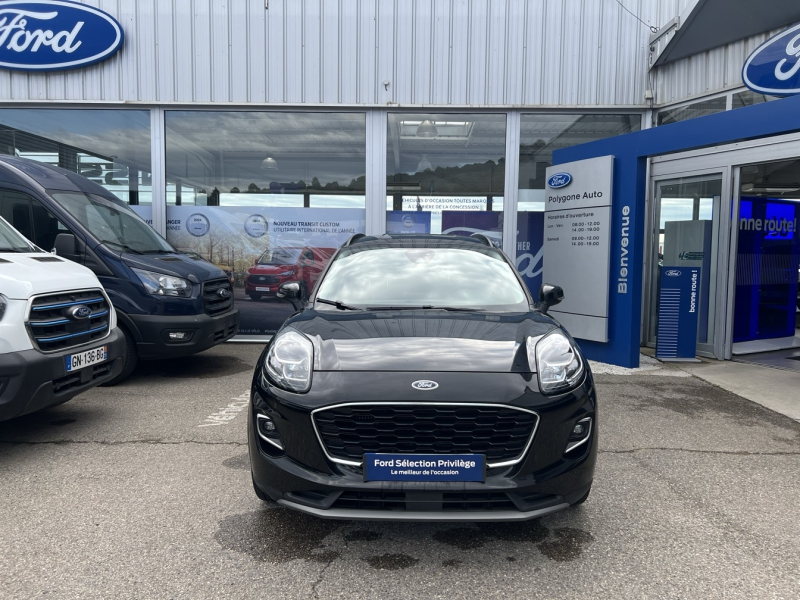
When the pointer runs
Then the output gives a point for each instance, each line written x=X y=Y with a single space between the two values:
x=123 y=246
x=424 y=307
x=337 y=304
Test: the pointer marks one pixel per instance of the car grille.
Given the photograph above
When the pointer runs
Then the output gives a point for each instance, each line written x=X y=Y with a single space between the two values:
x=217 y=296
x=499 y=432
x=264 y=279
x=438 y=501
x=78 y=379
x=52 y=328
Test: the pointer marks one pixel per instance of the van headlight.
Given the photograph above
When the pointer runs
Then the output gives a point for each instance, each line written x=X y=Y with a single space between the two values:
x=290 y=360
x=159 y=284
x=558 y=364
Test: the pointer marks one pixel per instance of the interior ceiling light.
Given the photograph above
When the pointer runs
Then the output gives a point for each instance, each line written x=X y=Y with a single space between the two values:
x=427 y=129
x=269 y=163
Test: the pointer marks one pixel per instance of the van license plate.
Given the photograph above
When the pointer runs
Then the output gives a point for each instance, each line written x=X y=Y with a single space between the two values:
x=76 y=362
x=262 y=289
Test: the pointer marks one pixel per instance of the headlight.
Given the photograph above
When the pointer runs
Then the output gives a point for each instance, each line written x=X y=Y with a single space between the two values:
x=558 y=364
x=286 y=273
x=290 y=361
x=164 y=285
x=3 y=305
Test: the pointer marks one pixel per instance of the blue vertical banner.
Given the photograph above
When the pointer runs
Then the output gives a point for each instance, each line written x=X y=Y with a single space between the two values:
x=530 y=253
x=678 y=304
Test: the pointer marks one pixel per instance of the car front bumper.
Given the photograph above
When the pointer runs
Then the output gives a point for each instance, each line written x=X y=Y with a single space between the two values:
x=302 y=476
x=31 y=380
x=153 y=340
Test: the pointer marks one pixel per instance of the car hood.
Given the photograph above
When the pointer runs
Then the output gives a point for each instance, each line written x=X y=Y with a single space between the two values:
x=421 y=340
x=270 y=269
x=23 y=275
x=177 y=265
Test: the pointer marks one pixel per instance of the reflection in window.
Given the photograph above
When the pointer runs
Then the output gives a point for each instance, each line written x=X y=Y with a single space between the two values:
x=692 y=111
x=448 y=168
x=278 y=159
x=110 y=147
x=749 y=98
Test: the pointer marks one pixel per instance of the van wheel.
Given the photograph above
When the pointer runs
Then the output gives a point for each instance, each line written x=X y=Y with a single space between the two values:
x=131 y=359
x=255 y=296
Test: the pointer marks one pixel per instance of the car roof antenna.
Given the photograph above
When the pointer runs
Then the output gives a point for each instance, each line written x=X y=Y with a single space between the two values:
x=353 y=239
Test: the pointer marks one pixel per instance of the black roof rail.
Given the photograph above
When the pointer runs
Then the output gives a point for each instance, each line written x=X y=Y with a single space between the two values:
x=483 y=238
x=353 y=239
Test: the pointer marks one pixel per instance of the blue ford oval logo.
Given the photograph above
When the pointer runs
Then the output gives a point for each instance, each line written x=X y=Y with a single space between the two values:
x=80 y=312
x=672 y=273
x=54 y=35
x=559 y=180
x=424 y=384
x=774 y=67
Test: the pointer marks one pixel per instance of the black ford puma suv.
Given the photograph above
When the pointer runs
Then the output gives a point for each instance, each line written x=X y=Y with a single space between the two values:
x=421 y=382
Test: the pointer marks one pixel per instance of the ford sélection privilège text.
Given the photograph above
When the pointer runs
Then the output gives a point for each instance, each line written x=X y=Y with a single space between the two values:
x=419 y=381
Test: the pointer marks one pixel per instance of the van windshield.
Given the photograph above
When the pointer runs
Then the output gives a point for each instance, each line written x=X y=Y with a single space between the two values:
x=112 y=222
x=11 y=241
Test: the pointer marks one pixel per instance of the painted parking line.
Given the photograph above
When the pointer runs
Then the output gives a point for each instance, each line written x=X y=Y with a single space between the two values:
x=228 y=413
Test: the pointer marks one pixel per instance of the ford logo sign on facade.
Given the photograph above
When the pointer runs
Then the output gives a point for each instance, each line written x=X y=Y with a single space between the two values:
x=424 y=384
x=774 y=67
x=672 y=273
x=53 y=35
x=559 y=180
x=79 y=313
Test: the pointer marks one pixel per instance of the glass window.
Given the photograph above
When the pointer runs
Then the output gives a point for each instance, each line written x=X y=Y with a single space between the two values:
x=45 y=226
x=446 y=173
x=423 y=277
x=15 y=208
x=11 y=241
x=749 y=98
x=692 y=111
x=262 y=193
x=540 y=136
x=110 y=147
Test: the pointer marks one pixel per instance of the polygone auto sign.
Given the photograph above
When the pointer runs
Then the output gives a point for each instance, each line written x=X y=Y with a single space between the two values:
x=53 y=35
x=774 y=67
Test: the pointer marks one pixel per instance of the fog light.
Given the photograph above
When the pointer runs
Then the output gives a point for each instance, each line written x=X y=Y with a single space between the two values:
x=178 y=335
x=268 y=430
x=580 y=433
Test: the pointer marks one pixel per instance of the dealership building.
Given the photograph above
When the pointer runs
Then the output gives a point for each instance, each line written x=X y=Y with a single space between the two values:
x=254 y=132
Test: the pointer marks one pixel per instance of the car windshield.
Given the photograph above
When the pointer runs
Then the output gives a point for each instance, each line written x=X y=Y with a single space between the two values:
x=112 y=222
x=11 y=241
x=424 y=278
x=280 y=256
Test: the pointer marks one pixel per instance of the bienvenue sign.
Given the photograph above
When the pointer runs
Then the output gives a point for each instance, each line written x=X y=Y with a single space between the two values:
x=54 y=35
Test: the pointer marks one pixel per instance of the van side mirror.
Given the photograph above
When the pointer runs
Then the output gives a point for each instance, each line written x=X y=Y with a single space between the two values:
x=290 y=291
x=549 y=295
x=65 y=245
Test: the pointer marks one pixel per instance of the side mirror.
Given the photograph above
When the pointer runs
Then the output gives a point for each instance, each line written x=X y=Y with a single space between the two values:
x=255 y=262
x=549 y=295
x=65 y=245
x=290 y=291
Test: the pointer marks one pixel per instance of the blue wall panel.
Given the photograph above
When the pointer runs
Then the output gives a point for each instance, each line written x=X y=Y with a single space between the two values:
x=631 y=152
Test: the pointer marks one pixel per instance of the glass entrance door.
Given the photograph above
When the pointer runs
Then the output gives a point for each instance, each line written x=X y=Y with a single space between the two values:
x=686 y=213
x=766 y=301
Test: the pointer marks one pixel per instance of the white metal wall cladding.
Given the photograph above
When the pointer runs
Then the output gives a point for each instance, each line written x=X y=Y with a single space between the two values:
x=705 y=73
x=443 y=52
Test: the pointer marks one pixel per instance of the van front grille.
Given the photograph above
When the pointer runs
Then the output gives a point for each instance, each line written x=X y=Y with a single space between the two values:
x=68 y=319
x=217 y=296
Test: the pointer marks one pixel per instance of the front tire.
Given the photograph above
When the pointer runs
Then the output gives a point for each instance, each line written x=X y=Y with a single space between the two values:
x=261 y=495
x=131 y=359
x=583 y=498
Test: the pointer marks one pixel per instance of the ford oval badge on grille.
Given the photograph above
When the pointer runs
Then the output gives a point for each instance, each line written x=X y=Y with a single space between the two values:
x=79 y=313
x=424 y=384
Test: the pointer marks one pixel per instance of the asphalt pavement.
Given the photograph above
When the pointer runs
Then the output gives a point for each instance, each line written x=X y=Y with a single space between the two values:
x=143 y=491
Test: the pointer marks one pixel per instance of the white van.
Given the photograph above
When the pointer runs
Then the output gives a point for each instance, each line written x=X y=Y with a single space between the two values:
x=58 y=334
